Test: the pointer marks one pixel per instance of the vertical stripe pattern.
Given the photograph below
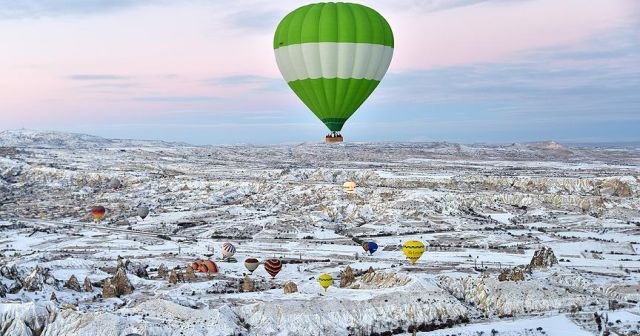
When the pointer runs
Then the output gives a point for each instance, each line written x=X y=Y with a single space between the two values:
x=333 y=56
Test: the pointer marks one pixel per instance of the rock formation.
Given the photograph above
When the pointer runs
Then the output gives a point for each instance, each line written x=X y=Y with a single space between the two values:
x=189 y=274
x=108 y=290
x=381 y=280
x=347 y=277
x=514 y=274
x=10 y=273
x=87 y=285
x=136 y=268
x=73 y=284
x=543 y=258
x=248 y=285
x=162 y=271
x=121 y=283
x=290 y=287
x=173 y=277
x=34 y=281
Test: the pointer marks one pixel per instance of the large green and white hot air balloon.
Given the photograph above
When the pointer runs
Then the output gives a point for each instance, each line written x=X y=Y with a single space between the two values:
x=333 y=55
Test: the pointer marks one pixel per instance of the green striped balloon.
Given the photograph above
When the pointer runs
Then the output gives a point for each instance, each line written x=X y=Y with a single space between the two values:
x=333 y=55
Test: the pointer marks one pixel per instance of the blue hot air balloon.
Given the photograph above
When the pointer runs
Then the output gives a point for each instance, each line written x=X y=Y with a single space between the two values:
x=370 y=247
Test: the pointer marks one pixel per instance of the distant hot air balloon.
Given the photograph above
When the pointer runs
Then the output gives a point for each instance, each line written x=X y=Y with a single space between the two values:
x=413 y=250
x=98 y=212
x=370 y=247
x=325 y=281
x=273 y=266
x=349 y=187
x=205 y=266
x=143 y=211
x=251 y=264
x=333 y=56
x=228 y=250
x=115 y=184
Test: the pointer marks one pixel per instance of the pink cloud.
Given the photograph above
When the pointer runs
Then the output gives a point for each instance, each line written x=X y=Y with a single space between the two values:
x=494 y=32
x=196 y=41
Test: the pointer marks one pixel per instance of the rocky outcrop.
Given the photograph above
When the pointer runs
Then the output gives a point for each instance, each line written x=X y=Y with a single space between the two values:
x=615 y=187
x=372 y=280
x=248 y=285
x=73 y=284
x=162 y=271
x=10 y=273
x=189 y=274
x=121 y=283
x=53 y=297
x=347 y=278
x=543 y=258
x=3 y=290
x=514 y=274
x=509 y=297
x=15 y=287
x=108 y=290
x=118 y=285
x=27 y=319
x=87 y=285
x=290 y=287
x=34 y=281
x=351 y=316
x=173 y=277
x=136 y=268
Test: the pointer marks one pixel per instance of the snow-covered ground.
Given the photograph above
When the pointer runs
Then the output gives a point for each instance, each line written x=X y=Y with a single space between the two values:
x=479 y=209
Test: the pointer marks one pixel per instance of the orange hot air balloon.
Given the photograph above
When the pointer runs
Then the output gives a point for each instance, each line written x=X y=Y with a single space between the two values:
x=205 y=266
x=211 y=266
x=98 y=212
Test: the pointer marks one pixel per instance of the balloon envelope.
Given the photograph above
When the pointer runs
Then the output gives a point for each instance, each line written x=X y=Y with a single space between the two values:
x=413 y=250
x=333 y=56
x=273 y=267
x=251 y=264
x=205 y=266
x=143 y=212
x=115 y=184
x=349 y=187
x=370 y=247
x=325 y=281
x=98 y=212
x=228 y=250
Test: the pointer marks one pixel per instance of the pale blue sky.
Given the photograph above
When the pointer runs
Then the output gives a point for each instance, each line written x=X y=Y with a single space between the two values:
x=204 y=72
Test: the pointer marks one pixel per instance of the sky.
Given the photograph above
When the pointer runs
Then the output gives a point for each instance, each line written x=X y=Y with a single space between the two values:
x=204 y=72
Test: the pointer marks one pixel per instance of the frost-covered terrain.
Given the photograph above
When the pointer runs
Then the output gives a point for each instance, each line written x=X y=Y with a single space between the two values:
x=523 y=239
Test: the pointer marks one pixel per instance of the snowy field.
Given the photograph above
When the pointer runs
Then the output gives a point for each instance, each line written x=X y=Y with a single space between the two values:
x=483 y=211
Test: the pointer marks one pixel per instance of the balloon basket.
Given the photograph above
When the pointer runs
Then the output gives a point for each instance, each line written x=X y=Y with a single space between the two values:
x=333 y=139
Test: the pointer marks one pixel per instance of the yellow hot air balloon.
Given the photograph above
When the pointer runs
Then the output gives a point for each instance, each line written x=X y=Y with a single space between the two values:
x=349 y=187
x=413 y=249
x=325 y=281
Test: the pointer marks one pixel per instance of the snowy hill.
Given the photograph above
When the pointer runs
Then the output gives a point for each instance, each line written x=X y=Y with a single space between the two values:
x=53 y=139
x=483 y=212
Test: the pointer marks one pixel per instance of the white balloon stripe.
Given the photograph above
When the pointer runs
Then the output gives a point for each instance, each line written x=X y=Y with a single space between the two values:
x=333 y=60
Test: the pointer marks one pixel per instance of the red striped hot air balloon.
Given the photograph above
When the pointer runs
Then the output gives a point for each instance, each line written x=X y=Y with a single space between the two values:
x=228 y=250
x=273 y=267
x=98 y=212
